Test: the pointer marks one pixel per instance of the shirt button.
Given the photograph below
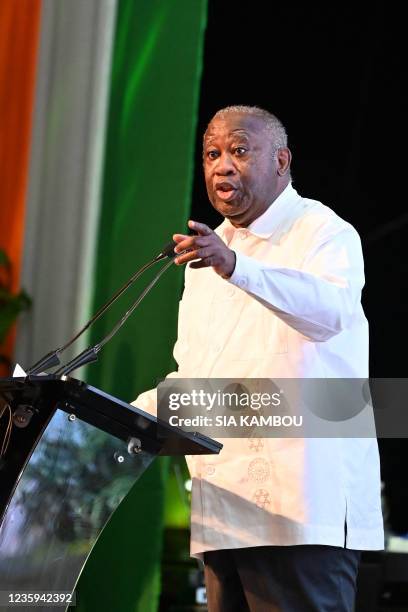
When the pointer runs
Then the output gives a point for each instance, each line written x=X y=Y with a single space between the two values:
x=210 y=470
x=231 y=291
x=216 y=348
x=242 y=281
x=243 y=235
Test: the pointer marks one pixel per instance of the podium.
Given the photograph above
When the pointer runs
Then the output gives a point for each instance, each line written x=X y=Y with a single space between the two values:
x=69 y=454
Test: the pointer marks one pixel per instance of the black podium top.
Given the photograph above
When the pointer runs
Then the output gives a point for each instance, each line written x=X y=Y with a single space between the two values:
x=34 y=400
x=38 y=395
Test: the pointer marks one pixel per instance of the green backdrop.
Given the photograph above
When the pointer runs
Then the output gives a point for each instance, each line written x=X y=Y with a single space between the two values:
x=146 y=198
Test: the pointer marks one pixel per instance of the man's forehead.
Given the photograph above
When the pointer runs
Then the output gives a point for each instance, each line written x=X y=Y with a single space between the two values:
x=235 y=124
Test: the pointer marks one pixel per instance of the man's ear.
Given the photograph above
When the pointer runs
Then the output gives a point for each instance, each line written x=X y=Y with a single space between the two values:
x=283 y=158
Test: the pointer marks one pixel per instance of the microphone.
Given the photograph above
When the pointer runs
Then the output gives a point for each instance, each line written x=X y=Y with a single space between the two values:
x=90 y=354
x=167 y=251
x=53 y=357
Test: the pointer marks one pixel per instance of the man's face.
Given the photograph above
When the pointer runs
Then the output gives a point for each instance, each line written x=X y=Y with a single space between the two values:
x=241 y=176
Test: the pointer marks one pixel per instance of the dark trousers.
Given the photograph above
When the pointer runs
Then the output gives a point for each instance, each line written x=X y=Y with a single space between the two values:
x=308 y=578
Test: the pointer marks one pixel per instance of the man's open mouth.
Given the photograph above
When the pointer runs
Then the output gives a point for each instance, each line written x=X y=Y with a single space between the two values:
x=225 y=191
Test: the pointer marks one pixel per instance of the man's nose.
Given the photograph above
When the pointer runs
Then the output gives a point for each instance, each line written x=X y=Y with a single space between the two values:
x=225 y=165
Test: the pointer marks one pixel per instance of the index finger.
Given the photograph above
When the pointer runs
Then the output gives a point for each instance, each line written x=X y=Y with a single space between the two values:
x=200 y=228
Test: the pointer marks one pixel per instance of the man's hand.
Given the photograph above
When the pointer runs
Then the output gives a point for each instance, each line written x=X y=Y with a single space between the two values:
x=207 y=247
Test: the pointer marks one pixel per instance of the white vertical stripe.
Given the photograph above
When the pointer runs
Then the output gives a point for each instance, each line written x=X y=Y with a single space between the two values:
x=65 y=171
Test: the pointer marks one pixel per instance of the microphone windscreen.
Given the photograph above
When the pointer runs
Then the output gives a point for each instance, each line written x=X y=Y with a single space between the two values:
x=168 y=250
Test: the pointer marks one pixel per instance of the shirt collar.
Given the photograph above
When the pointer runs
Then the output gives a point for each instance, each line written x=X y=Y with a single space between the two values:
x=265 y=225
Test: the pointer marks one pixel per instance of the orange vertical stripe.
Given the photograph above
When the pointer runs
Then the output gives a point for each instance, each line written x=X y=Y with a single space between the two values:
x=19 y=35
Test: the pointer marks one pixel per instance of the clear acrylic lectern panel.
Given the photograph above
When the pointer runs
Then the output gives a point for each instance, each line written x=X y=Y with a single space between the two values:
x=69 y=454
x=75 y=479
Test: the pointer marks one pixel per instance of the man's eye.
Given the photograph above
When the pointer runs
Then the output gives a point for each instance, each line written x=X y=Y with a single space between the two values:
x=212 y=154
x=240 y=151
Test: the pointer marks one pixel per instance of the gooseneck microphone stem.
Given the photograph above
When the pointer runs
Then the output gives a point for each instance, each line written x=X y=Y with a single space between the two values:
x=90 y=354
x=106 y=306
x=53 y=357
x=134 y=306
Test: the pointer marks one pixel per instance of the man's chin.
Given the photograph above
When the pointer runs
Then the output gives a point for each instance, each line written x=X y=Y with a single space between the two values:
x=238 y=218
x=229 y=209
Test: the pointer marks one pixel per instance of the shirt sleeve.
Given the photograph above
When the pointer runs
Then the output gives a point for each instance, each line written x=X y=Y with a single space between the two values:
x=321 y=297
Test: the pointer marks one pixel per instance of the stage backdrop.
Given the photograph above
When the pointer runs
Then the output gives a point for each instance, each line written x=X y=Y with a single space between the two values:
x=146 y=193
x=19 y=33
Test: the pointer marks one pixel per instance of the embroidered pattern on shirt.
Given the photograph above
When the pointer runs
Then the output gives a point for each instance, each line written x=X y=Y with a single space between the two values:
x=259 y=470
x=255 y=444
x=262 y=498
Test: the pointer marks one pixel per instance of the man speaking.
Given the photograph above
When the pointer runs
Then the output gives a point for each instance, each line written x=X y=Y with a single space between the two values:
x=274 y=292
